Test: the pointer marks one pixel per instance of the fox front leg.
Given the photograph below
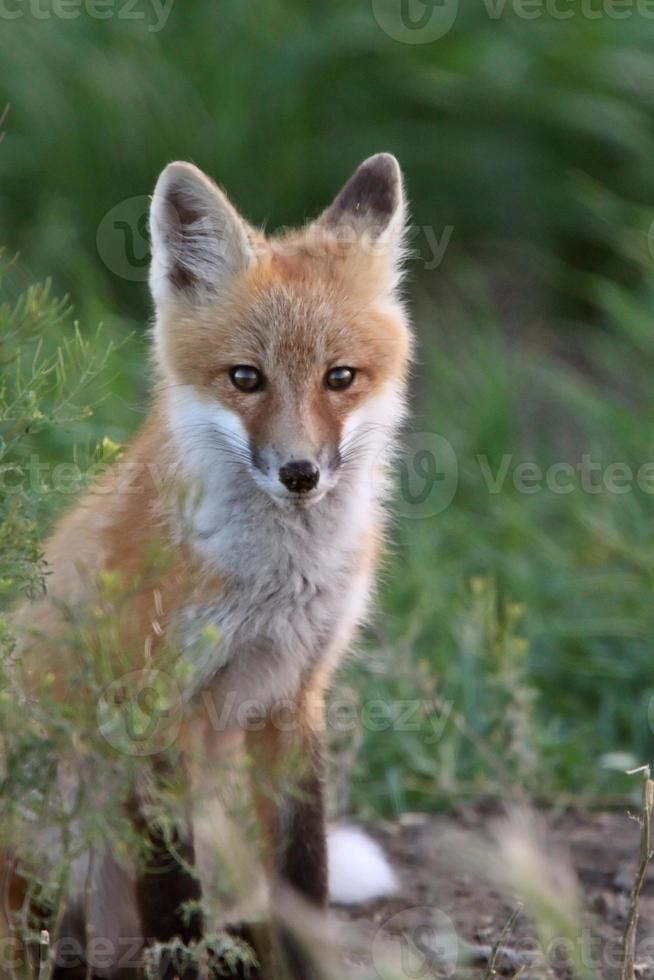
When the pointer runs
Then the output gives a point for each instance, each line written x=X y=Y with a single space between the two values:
x=168 y=891
x=289 y=775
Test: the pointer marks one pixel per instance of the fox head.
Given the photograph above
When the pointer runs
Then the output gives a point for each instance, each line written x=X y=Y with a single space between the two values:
x=283 y=358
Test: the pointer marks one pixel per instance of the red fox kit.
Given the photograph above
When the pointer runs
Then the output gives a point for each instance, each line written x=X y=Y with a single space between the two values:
x=281 y=367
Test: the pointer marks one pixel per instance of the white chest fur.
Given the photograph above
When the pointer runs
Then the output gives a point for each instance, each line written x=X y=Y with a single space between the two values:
x=297 y=579
x=296 y=588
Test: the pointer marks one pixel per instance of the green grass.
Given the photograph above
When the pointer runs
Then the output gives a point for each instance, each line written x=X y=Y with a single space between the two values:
x=533 y=132
x=528 y=613
x=519 y=622
x=525 y=617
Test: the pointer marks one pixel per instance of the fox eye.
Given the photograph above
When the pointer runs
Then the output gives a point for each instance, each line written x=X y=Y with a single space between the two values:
x=339 y=378
x=246 y=378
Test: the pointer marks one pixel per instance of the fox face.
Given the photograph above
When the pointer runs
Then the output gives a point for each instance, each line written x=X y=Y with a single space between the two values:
x=282 y=358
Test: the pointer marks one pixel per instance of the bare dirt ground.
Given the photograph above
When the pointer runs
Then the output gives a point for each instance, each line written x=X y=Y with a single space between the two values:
x=444 y=922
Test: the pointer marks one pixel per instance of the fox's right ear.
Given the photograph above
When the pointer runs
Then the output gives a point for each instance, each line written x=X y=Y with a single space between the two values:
x=199 y=241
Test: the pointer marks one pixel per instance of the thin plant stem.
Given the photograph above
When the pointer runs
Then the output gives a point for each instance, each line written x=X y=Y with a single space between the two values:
x=44 y=954
x=627 y=968
x=492 y=960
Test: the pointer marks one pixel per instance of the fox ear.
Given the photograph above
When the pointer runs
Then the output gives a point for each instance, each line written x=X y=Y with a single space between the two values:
x=371 y=204
x=199 y=241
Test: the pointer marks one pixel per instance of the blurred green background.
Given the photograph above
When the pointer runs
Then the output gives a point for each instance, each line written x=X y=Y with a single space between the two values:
x=521 y=621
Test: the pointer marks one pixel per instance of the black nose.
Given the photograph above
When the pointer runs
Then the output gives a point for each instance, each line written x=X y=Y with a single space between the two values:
x=299 y=476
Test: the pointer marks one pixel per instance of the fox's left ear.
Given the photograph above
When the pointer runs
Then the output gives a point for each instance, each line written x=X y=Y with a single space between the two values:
x=371 y=207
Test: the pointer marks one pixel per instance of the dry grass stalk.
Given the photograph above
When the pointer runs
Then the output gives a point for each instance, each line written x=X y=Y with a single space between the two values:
x=492 y=960
x=44 y=954
x=627 y=969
